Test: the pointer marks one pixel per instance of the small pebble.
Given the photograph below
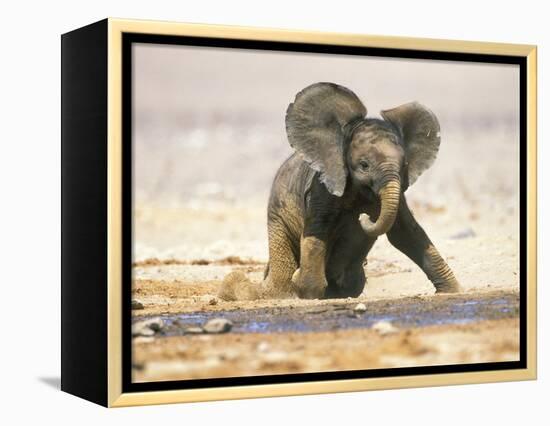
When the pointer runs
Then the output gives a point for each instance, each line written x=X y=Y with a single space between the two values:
x=140 y=330
x=360 y=308
x=136 y=304
x=218 y=325
x=263 y=347
x=156 y=324
x=384 y=328
x=147 y=327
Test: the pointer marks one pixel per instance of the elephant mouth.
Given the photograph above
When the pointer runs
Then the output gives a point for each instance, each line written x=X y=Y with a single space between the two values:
x=368 y=194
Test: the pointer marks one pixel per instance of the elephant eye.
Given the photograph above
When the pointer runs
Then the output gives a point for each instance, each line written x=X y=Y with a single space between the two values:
x=364 y=165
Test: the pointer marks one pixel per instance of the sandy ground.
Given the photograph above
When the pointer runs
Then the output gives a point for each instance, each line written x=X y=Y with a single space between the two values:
x=232 y=354
x=183 y=251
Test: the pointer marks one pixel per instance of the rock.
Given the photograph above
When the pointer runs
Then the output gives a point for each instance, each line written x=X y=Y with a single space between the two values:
x=263 y=347
x=156 y=324
x=147 y=327
x=217 y=325
x=194 y=330
x=139 y=329
x=360 y=308
x=136 y=304
x=213 y=301
x=384 y=328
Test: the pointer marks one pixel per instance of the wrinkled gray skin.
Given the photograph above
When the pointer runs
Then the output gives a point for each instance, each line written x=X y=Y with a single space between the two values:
x=344 y=187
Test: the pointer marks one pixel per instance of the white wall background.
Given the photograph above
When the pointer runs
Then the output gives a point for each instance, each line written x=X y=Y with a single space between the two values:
x=29 y=233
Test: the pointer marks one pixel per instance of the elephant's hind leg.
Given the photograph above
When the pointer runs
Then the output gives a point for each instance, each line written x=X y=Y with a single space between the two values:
x=282 y=264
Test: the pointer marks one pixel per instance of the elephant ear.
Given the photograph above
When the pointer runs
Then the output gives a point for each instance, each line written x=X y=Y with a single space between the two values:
x=420 y=131
x=316 y=128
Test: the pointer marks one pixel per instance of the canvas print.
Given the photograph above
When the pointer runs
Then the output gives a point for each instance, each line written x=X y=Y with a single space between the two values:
x=305 y=212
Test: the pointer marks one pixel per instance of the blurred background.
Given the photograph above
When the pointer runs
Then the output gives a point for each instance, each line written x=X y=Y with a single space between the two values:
x=209 y=135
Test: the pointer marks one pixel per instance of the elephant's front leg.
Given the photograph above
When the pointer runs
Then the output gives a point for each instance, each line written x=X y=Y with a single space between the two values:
x=321 y=212
x=309 y=280
x=409 y=237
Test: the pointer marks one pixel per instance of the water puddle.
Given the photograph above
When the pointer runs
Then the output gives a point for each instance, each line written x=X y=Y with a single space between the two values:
x=408 y=313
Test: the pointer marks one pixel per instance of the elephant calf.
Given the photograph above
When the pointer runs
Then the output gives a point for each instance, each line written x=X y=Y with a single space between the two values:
x=347 y=170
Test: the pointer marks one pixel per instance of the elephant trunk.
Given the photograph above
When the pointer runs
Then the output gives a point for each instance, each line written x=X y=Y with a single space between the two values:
x=389 y=200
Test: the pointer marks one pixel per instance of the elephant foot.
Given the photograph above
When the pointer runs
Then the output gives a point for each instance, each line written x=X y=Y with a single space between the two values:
x=237 y=286
x=448 y=287
x=308 y=286
x=281 y=289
